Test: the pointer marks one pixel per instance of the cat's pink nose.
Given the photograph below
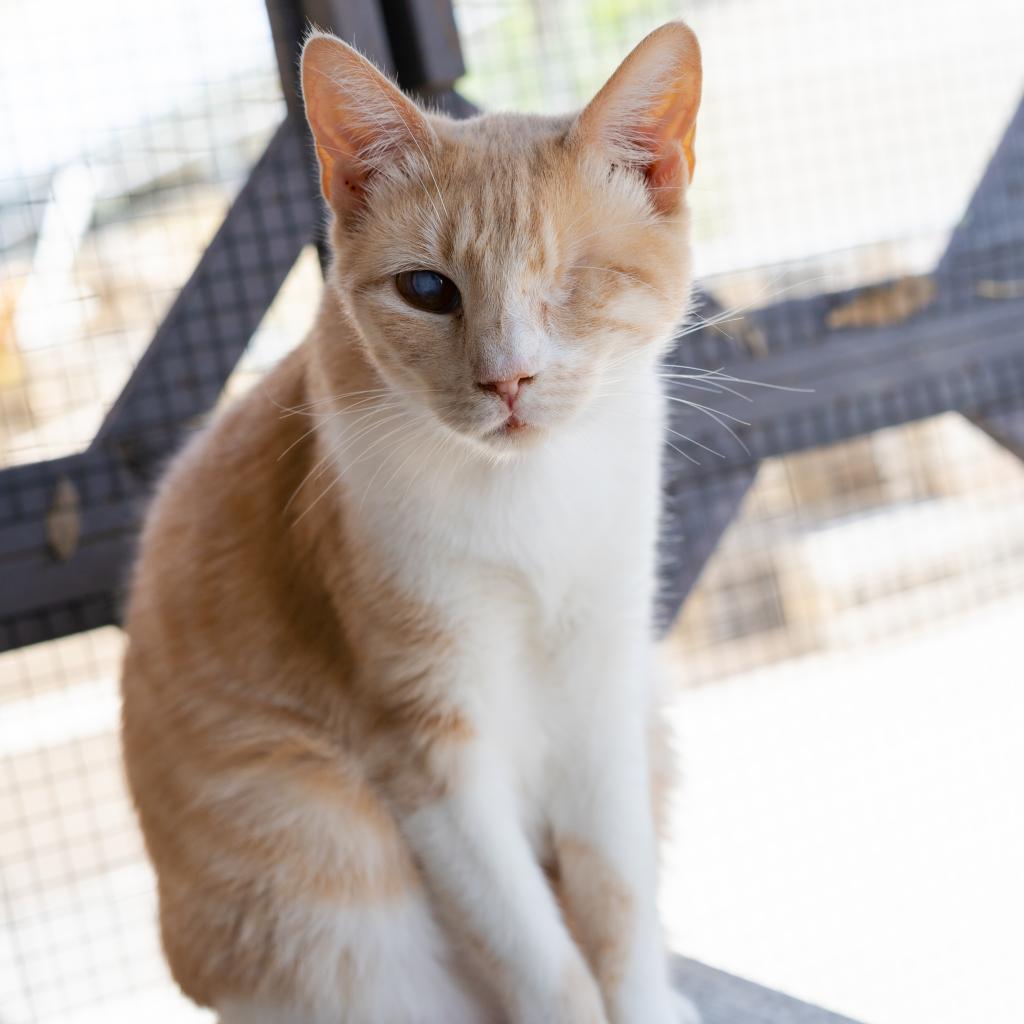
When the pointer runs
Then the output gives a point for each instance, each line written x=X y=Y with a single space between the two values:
x=507 y=390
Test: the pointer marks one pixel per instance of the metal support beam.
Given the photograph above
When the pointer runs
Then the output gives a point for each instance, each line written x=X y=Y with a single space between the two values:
x=971 y=362
x=963 y=353
x=183 y=370
x=176 y=382
x=425 y=44
x=988 y=244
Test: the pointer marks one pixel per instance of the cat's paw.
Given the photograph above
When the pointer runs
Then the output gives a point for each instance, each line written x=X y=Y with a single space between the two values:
x=685 y=1009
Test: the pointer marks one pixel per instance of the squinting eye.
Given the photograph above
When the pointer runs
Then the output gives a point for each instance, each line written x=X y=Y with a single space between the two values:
x=428 y=290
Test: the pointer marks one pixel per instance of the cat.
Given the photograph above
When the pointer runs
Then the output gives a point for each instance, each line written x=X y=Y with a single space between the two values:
x=390 y=706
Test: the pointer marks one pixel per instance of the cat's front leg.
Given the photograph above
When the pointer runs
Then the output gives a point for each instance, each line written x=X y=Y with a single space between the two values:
x=605 y=844
x=457 y=813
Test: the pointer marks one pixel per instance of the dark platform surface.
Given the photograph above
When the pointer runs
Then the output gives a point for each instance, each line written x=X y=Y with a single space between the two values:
x=724 y=999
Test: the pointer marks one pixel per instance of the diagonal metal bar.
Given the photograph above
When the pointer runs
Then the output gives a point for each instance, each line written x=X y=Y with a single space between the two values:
x=971 y=362
x=961 y=355
x=990 y=235
x=207 y=329
x=183 y=370
x=177 y=380
x=694 y=517
x=988 y=244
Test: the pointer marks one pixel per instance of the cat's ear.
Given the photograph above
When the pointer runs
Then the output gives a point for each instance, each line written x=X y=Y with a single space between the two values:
x=646 y=113
x=361 y=121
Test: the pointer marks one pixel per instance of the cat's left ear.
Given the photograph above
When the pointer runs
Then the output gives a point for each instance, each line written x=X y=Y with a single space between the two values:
x=646 y=113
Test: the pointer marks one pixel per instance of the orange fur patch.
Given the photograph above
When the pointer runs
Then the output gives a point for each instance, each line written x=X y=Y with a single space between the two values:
x=598 y=907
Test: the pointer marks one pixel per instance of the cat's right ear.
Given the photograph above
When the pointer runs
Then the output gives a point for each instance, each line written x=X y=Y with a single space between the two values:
x=361 y=121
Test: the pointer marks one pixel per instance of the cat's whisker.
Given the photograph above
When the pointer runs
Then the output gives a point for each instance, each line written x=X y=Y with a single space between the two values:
x=370 y=427
x=334 y=456
x=681 y=380
x=695 y=370
x=335 y=480
x=336 y=451
x=305 y=406
x=738 y=312
x=381 y=393
x=398 y=469
x=694 y=441
x=567 y=230
x=328 y=417
x=711 y=388
x=685 y=455
x=383 y=459
x=438 y=446
x=709 y=411
x=676 y=433
x=721 y=375
x=719 y=417
x=727 y=316
x=771 y=387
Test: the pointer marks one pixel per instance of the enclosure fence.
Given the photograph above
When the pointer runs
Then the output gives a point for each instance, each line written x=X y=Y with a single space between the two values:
x=848 y=470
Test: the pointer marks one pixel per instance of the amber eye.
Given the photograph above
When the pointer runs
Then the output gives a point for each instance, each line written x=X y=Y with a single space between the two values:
x=428 y=290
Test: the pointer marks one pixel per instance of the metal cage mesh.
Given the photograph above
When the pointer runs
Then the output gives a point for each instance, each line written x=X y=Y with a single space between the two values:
x=845 y=682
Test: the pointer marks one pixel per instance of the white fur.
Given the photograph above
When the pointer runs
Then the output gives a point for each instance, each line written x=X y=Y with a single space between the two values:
x=543 y=567
x=405 y=967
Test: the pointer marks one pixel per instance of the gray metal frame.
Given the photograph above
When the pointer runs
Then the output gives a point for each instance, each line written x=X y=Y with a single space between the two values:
x=725 y=999
x=964 y=353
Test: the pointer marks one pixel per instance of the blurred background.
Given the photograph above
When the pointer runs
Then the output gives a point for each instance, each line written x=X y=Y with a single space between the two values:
x=848 y=692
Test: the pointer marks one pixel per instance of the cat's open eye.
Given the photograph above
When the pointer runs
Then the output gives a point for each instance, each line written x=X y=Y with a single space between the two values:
x=428 y=290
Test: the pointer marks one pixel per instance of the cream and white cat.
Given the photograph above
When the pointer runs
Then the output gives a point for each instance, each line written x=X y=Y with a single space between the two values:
x=390 y=712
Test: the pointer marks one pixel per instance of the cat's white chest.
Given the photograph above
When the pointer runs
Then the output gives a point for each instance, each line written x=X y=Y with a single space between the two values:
x=534 y=567
x=560 y=528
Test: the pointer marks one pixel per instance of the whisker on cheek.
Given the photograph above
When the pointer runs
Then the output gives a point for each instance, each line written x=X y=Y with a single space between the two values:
x=676 y=433
x=715 y=414
x=411 y=426
x=328 y=417
x=719 y=375
x=336 y=451
x=410 y=455
x=381 y=392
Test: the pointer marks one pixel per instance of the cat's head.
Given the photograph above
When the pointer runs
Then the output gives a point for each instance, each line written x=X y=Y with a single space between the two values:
x=503 y=269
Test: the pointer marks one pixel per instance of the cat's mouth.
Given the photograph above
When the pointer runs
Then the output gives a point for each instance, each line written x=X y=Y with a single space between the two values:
x=513 y=426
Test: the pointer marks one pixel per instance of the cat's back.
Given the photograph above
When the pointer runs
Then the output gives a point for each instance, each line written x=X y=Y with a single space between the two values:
x=235 y=714
x=226 y=592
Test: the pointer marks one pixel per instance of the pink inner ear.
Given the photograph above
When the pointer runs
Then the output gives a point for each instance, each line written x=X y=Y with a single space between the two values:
x=348 y=186
x=666 y=177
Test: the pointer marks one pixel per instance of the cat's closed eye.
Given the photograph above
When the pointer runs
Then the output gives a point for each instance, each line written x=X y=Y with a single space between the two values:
x=428 y=290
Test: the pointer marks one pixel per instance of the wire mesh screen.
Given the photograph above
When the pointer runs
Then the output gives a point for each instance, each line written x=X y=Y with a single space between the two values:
x=846 y=692
x=127 y=132
x=853 y=137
